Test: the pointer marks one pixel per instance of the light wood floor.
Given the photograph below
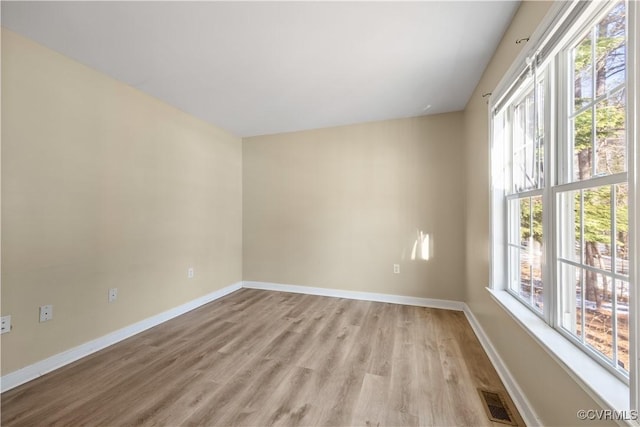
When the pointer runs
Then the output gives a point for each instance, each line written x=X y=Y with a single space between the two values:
x=271 y=358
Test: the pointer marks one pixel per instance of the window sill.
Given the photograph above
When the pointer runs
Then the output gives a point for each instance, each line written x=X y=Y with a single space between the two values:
x=604 y=387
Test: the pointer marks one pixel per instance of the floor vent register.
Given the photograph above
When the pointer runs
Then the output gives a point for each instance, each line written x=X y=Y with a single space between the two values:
x=496 y=407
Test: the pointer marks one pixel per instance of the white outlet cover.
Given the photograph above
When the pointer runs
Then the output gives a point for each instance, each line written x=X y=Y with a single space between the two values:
x=190 y=273
x=46 y=312
x=5 y=323
x=113 y=294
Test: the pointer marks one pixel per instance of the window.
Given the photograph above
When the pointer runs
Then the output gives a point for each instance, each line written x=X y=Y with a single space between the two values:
x=592 y=193
x=525 y=179
x=562 y=158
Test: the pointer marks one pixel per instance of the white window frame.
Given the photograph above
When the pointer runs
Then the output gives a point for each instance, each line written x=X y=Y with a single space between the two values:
x=608 y=389
x=527 y=86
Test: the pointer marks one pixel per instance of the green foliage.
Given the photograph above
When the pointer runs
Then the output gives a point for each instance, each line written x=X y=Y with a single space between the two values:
x=596 y=68
x=609 y=121
x=609 y=124
x=582 y=55
x=582 y=131
x=531 y=208
x=597 y=215
x=604 y=46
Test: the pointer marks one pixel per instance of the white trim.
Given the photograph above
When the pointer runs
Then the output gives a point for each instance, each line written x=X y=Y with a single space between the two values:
x=633 y=121
x=523 y=405
x=365 y=296
x=59 y=360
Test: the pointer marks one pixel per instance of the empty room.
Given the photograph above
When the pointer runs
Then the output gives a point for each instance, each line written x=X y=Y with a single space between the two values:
x=330 y=213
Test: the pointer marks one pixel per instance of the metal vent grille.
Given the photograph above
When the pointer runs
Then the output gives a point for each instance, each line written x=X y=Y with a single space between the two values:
x=496 y=407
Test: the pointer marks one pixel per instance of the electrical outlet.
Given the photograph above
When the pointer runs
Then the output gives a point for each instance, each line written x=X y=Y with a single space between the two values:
x=396 y=268
x=46 y=313
x=5 y=323
x=113 y=294
x=190 y=273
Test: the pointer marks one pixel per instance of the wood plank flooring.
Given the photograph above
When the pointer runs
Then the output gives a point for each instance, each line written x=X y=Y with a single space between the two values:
x=257 y=358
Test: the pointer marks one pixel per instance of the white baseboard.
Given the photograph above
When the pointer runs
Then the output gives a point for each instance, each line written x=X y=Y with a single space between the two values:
x=365 y=296
x=59 y=360
x=517 y=395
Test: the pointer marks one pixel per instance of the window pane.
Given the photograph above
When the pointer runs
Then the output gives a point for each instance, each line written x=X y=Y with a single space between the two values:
x=525 y=223
x=513 y=212
x=569 y=244
x=525 y=276
x=525 y=267
x=583 y=72
x=526 y=152
x=526 y=240
x=611 y=135
x=598 y=323
x=610 y=50
x=622 y=314
x=530 y=138
x=597 y=234
x=570 y=279
x=518 y=148
x=535 y=252
x=622 y=229
x=514 y=269
x=540 y=134
x=582 y=145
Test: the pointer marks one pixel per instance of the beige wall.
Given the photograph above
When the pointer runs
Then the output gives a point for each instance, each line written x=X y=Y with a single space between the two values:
x=555 y=397
x=104 y=186
x=337 y=207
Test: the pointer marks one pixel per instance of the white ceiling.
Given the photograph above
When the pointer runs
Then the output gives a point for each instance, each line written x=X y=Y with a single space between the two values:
x=258 y=68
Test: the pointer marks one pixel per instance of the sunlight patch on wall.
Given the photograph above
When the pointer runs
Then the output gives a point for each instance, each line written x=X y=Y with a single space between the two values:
x=422 y=247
